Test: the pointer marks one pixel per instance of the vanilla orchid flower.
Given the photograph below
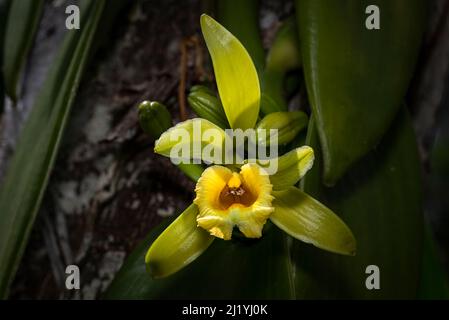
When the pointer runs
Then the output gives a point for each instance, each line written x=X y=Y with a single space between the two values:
x=241 y=195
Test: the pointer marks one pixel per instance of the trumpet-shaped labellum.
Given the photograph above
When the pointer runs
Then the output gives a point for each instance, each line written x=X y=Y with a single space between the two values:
x=227 y=199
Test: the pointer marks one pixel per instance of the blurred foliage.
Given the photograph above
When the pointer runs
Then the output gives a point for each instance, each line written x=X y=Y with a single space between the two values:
x=25 y=182
x=4 y=6
x=21 y=26
x=283 y=57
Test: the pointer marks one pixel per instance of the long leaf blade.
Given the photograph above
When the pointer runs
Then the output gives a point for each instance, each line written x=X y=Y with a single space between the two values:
x=28 y=172
x=356 y=77
x=22 y=24
x=4 y=6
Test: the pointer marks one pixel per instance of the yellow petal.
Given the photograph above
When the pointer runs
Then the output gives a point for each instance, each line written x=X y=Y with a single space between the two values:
x=236 y=76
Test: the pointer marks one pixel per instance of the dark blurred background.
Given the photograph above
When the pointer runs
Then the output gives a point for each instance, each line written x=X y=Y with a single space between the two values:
x=108 y=190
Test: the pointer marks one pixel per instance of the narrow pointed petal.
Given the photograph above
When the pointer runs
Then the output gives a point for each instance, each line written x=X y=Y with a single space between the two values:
x=292 y=166
x=236 y=76
x=286 y=170
x=180 y=244
x=306 y=219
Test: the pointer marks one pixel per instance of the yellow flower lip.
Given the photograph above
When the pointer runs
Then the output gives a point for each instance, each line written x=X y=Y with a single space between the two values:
x=226 y=199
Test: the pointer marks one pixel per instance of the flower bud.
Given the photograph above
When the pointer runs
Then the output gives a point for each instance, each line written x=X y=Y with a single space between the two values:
x=207 y=106
x=154 y=118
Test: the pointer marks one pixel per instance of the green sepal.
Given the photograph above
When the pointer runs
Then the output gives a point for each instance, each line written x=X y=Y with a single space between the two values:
x=180 y=244
x=308 y=220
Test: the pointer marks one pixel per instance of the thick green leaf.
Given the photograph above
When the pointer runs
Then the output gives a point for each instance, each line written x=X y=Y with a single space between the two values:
x=235 y=269
x=29 y=169
x=22 y=23
x=356 y=78
x=180 y=244
x=308 y=220
x=236 y=76
x=380 y=201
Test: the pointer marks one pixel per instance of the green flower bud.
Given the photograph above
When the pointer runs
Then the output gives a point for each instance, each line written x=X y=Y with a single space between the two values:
x=208 y=106
x=154 y=118
x=201 y=88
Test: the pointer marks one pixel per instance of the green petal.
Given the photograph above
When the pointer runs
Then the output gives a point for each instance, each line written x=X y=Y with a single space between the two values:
x=237 y=80
x=180 y=244
x=286 y=123
x=179 y=142
x=306 y=219
x=291 y=167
